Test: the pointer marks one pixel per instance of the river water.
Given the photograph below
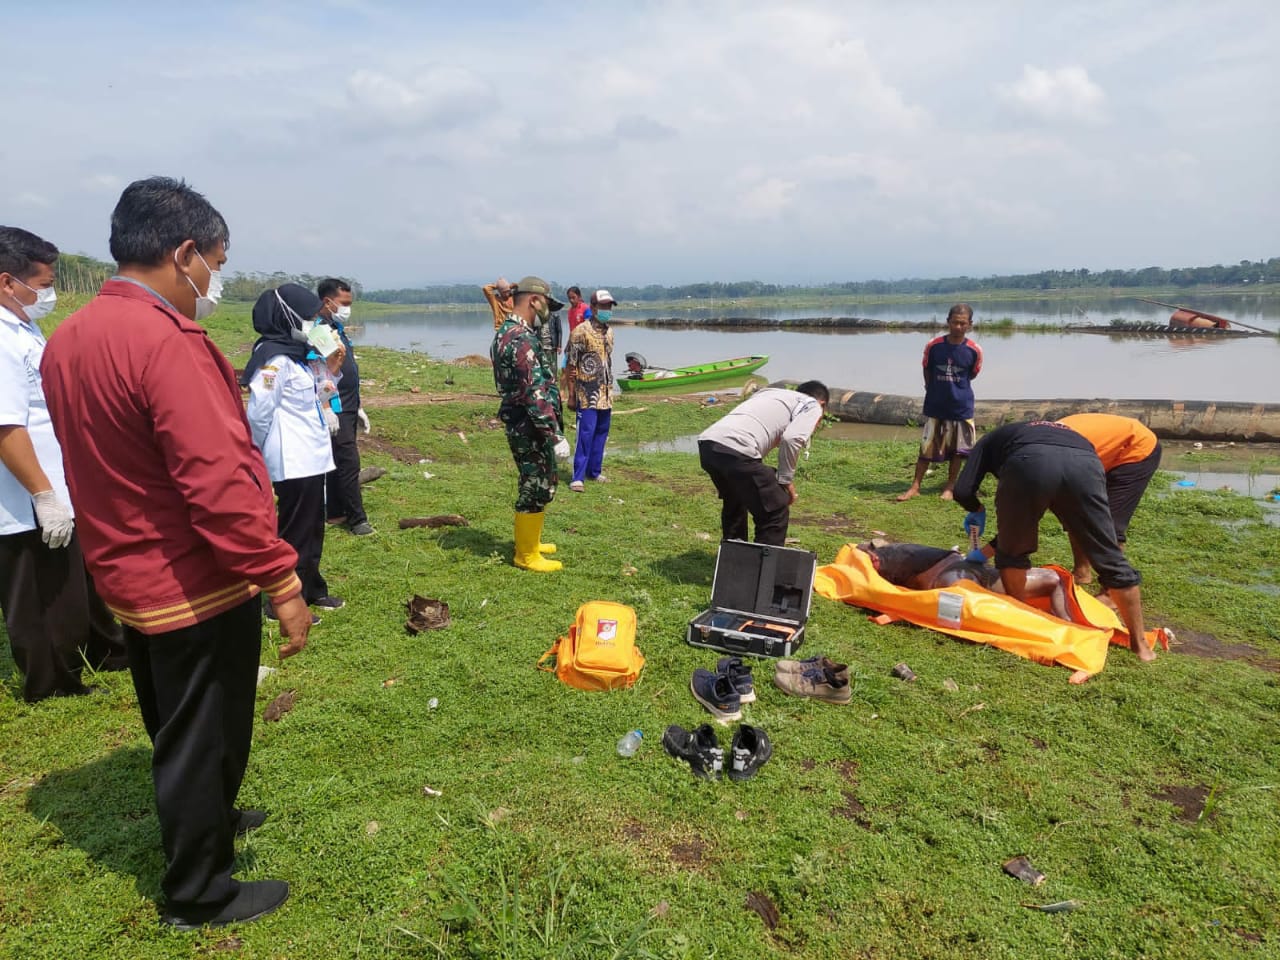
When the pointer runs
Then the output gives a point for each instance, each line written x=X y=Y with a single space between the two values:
x=1018 y=364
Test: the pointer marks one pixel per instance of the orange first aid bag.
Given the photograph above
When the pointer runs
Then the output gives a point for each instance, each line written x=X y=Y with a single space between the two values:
x=600 y=652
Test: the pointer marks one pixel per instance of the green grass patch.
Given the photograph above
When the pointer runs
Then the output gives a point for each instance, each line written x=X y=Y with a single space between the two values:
x=1149 y=794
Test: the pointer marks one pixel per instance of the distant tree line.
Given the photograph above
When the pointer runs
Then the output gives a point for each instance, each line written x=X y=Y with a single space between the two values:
x=1243 y=273
x=247 y=286
x=77 y=273
x=80 y=274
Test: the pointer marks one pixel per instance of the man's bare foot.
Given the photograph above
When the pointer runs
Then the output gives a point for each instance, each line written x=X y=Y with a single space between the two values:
x=1080 y=676
x=910 y=492
x=1082 y=575
x=1144 y=652
x=946 y=494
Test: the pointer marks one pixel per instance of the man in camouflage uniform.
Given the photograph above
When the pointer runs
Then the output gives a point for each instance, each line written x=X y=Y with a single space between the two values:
x=530 y=410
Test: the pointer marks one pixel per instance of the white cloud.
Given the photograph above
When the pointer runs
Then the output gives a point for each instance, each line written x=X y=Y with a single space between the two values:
x=439 y=96
x=766 y=199
x=102 y=183
x=1053 y=94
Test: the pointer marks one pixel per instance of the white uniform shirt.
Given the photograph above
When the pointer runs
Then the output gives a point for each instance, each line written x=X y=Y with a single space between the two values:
x=772 y=417
x=22 y=405
x=288 y=427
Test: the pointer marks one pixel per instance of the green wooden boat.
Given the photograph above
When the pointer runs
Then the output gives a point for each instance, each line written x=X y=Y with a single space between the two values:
x=657 y=378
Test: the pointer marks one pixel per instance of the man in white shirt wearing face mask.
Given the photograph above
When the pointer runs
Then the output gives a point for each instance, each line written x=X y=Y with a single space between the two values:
x=54 y=617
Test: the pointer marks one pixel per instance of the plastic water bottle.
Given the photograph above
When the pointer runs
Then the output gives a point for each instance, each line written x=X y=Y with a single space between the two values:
x=629 y=744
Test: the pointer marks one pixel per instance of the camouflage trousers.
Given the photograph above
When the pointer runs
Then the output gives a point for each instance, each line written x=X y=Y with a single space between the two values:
x=536 y=460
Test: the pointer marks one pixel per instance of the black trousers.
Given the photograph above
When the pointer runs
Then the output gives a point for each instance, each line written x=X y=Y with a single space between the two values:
x=746 y=486
x=55 y=619
x=196 y=689
x=1125 y=486
x=300 y=507
x=342 y=483
x=1070 y=482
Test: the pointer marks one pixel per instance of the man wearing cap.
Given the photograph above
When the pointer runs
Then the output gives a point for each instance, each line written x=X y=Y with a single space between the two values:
x=589 y=387
x=530 y=410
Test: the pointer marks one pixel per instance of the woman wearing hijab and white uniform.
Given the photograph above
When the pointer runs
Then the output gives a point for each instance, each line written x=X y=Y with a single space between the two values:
x=291 y=391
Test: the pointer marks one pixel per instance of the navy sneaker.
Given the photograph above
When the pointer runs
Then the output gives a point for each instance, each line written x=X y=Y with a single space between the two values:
x=715 y=692
x=329 y=603
x=699 y=749
x=739 y=675
x=751 y=750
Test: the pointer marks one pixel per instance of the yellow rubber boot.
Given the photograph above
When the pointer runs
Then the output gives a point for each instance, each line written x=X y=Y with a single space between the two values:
x=528 y=535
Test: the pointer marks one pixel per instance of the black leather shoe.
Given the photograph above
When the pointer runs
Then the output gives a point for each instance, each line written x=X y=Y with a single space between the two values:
x=254 y=899
x=246 y=820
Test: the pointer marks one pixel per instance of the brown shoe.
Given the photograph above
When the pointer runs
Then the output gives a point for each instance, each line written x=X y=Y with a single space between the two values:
x=796 y=667
x=828 y=682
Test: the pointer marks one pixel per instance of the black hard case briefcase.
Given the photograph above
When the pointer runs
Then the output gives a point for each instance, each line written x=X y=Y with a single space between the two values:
x=759 y=600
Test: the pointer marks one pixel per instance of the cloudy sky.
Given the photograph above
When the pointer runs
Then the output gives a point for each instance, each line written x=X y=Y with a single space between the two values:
x=407 y=143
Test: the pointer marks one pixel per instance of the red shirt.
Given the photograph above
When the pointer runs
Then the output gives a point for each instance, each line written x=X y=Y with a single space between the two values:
x=174 y=509
x=576 y=311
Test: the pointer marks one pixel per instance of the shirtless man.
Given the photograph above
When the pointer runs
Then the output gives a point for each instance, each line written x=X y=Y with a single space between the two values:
x=917 y=567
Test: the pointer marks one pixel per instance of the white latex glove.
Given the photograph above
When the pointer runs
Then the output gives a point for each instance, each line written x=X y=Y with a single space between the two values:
x=54 y=518
x=562 y=449
x=330 y=419
x=363 y=418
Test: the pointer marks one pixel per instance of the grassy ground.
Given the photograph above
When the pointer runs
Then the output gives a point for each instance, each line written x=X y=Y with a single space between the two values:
x=1148 y=795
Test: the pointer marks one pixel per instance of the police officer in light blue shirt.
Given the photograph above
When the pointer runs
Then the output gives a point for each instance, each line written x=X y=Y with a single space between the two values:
x=54 y=618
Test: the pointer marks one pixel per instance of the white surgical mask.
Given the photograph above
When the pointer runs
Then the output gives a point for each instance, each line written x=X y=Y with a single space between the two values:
x=342 y=314
x=298 y=327
x=207 y=302
x=46 y=300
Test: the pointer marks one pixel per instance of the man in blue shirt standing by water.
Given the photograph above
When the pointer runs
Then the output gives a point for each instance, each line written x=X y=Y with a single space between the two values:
x=344 y=503
x=950 y=363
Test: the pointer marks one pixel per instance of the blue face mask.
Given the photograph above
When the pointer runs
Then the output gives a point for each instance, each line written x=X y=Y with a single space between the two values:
x=604 y=316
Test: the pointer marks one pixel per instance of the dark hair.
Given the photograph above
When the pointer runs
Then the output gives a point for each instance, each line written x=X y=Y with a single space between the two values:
x=331 y=287
x=960 y=308
x=155 y=216
x=21 y=250
x=816 y=389
x=577 y=290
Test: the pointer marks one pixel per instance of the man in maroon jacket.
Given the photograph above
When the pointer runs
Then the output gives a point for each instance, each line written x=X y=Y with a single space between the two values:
x=178 y=525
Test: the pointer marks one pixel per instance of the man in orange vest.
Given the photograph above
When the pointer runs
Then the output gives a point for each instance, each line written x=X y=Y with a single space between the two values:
x=1130 y=455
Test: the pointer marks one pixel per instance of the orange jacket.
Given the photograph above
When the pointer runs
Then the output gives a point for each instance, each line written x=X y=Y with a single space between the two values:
x=1117 y=440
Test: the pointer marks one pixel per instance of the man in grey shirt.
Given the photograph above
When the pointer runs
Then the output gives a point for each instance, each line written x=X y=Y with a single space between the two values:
x=732 y=451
